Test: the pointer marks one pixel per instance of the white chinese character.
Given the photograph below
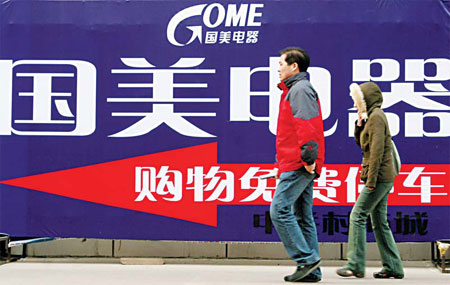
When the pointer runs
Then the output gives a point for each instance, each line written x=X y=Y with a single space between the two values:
x=407 y=92
x=43 y=98
x=424 y=183
x=147 y=182
x=224 y=37
x=211 y=37
x=241 y=94
x=328 y=185
x=261 y=189
x=414 y=121
x=353 y=184
x=390 y=70
x=220 y=182
x=238 y=37
x=404 y=92
x=163 y=88
x=252 y=37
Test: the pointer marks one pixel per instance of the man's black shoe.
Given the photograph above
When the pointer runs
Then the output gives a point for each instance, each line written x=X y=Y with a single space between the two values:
x=310 y=278
x=302 y=271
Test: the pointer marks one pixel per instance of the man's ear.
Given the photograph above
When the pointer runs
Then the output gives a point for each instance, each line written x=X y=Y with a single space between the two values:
x=295 y=66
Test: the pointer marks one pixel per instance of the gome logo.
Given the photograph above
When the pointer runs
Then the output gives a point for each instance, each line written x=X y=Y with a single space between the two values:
x=218 y=20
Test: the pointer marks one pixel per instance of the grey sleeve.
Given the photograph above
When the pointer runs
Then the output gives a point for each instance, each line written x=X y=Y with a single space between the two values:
x=303 y=101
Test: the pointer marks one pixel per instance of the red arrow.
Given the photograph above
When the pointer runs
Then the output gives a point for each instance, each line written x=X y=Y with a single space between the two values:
x=113 y=183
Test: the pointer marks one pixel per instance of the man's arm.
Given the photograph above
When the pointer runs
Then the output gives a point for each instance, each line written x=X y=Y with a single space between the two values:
x=305 y=110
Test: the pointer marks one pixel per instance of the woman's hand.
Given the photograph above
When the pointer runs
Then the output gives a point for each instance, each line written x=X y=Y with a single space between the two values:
x=370 y=188
x=360 y=119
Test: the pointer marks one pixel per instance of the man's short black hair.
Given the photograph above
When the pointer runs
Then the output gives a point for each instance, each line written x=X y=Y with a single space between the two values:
x=298 y=55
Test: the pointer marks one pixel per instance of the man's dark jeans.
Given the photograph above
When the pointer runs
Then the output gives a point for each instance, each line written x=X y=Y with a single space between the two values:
x=291 y=213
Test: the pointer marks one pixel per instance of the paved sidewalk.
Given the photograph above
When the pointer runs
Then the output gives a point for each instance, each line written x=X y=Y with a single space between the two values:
x=115 y=273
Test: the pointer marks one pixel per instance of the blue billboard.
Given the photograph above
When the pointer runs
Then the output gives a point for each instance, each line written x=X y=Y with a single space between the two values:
x=153 y=119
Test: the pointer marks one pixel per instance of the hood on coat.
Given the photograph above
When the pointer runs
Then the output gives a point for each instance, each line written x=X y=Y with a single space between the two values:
x=358 y=99
x=372 y=95
x=366 y=96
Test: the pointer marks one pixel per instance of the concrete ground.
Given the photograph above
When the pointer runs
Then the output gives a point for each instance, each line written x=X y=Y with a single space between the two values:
x=153 y=271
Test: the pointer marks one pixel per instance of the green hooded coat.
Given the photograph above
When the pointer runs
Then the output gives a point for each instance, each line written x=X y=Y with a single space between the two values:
x=375 y=140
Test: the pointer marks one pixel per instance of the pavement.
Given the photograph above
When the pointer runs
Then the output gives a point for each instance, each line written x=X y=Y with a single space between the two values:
x=162 y=271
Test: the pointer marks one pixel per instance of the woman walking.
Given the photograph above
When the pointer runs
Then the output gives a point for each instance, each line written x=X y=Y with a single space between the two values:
x=373 y=136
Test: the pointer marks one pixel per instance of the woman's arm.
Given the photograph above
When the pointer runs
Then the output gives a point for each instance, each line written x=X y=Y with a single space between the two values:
x=377 y=135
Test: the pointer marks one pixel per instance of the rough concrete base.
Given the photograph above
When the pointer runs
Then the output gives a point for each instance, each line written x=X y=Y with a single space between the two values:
x=72 y=247
x=206 y=261
x=408 y=251
x=142 y=261
x=205 y=250
x=139 y=248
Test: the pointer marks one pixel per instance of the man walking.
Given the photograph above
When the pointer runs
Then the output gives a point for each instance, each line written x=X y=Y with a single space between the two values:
x=300 y=156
